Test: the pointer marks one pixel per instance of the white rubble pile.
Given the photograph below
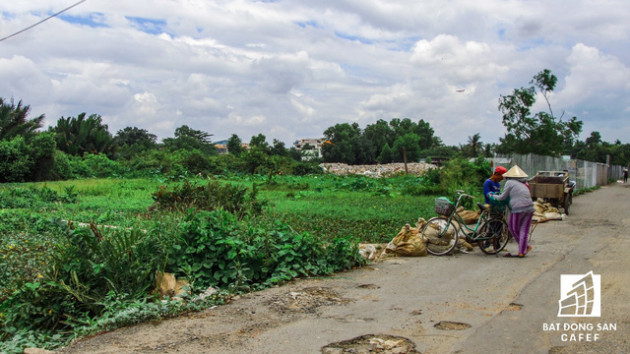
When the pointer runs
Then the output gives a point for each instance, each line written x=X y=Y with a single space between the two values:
x=384 y=170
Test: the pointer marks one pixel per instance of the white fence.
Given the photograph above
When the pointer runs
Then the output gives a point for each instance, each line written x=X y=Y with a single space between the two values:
x=585 y=173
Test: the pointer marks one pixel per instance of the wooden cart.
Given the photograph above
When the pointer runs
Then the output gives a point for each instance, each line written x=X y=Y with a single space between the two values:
x=554 y=187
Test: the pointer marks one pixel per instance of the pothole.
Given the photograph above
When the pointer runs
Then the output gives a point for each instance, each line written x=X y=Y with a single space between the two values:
x=451 y=326
x=514 y=307
x=372 y=343
x=368 y=286
x=306 y=300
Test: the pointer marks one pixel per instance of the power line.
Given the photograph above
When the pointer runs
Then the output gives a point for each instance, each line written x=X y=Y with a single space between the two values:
x=42 y=21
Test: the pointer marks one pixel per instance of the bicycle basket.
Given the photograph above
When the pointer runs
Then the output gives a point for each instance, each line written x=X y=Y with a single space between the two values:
x=443 y=206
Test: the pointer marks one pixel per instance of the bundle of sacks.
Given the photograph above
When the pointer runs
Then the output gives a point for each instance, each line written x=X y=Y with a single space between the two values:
x=411 y=243
x=408 y=242
x=544 y=211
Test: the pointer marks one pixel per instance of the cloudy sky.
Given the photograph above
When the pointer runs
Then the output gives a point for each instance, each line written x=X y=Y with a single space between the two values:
x=291 y=69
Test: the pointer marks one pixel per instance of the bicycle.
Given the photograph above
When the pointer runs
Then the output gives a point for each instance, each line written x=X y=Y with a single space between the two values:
x=441 y=233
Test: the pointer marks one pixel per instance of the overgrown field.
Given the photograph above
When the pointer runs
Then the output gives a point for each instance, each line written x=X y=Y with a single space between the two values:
x=81 y=256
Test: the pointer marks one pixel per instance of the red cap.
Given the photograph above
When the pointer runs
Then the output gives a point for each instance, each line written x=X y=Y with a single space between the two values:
x=500 y=170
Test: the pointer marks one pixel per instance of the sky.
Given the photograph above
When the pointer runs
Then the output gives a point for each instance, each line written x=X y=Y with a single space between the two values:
x=292 y=69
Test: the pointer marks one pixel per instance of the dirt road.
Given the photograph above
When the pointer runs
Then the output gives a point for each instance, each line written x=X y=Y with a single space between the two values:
x=466 y=303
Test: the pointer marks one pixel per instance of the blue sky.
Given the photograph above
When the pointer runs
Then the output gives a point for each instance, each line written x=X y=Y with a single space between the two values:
x=291 y=69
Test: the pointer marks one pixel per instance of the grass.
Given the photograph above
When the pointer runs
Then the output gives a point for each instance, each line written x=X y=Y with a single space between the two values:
x=367 y=217
x=368 y=209
x=117 y=202
x=325 y=215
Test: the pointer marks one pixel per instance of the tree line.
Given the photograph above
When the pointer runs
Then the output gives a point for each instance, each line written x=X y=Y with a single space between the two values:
x=542 y=133
x=82 y=146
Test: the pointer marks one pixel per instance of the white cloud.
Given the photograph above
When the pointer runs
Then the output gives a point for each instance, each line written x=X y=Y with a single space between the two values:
x=292 y=69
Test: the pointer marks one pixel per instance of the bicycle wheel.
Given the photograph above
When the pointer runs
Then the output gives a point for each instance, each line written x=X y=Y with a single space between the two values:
x=440 y=237
x=497 y=233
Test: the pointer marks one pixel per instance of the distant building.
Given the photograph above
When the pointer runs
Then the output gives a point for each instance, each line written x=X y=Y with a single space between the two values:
x=310 y=148
x=221 y=146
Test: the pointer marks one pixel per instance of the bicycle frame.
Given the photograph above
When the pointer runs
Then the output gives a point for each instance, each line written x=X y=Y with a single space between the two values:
x=470 y=233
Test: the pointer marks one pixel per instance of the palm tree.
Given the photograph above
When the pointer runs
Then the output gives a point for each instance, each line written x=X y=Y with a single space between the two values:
x=80 y=135
x=475 y=145
x=13 y=121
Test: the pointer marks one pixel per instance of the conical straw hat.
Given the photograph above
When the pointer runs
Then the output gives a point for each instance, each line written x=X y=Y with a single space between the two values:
x=515 y=172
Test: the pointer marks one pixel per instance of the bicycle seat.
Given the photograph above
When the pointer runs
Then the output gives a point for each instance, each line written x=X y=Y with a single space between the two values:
x=482 y=206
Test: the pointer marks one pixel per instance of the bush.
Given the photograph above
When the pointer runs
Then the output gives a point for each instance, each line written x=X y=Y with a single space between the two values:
x=61 y=169
x=99 y=165
x=56 y=280
x=15 y=160
x=233 y=199
x=216 y=249
x=463 y=174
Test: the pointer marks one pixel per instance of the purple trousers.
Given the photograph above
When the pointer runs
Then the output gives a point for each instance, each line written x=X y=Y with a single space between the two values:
x=519 y=227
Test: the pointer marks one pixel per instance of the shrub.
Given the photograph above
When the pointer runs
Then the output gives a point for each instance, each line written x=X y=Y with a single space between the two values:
x=463 y=174
x=61 y=169
x=99 y=165
x=217 y=249
x=15 y=161
x=232 y=198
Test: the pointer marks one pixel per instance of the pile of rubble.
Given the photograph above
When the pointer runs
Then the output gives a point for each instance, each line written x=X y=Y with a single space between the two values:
x=384 y=170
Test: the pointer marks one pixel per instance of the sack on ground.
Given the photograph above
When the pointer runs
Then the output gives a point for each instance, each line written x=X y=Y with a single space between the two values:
x=407 y=243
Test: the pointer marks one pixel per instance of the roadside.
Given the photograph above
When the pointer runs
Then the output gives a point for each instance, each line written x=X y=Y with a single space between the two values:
x=468 y=303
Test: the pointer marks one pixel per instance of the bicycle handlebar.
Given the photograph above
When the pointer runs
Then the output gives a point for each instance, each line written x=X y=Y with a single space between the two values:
x=461 y=193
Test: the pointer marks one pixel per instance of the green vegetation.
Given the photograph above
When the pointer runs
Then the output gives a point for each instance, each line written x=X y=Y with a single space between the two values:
x=585 y=190
x=81 y=256
x=102 y=214
x=541 y=133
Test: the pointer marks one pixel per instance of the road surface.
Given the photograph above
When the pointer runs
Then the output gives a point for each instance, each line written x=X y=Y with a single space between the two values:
x=465 y=303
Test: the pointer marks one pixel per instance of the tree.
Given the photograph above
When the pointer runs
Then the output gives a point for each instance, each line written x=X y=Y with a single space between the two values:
x=42 y=152
x=187 y=138
x=131 y=136
x=81 y=135
x=473 y=147
x=14 y=122
x=22 y=162
x=593 y=148
x=407 y=144
x=378 y=134
x=386 y=154
x=342 y=143
x=234 y=145
x=278 y=148
x=425 y=135
x=260 y=142
x=132 y=141
x=540 y=133
x=15 y=161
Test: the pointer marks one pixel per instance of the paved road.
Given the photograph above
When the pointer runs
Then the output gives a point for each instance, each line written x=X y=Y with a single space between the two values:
x=491 y=304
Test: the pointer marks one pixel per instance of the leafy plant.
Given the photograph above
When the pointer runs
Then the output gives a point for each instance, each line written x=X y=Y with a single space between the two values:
x=217 y=249
x=232 y=198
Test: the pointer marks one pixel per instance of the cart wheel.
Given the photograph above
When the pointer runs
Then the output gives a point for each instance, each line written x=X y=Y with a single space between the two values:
x=567 y=203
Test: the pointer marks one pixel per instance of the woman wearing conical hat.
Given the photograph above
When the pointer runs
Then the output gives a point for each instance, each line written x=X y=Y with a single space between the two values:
x=521 y=207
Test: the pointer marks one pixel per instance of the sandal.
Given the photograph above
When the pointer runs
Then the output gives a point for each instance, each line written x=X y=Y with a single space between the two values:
x=508 y=255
